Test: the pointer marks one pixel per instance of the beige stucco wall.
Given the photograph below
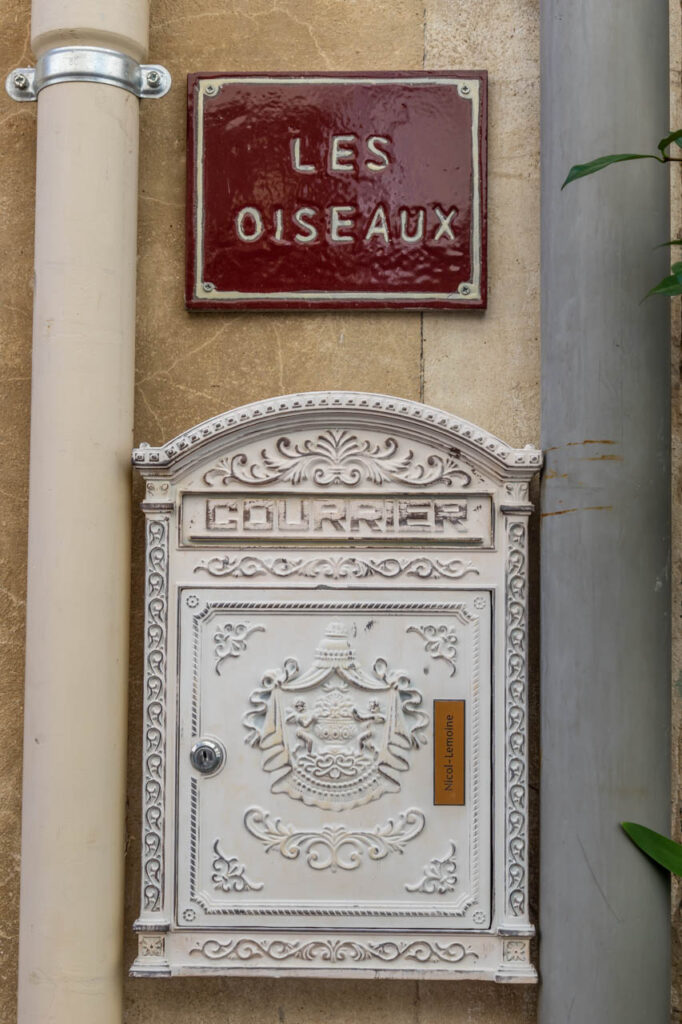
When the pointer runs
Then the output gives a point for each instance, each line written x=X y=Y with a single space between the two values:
x=17 y=173
x=189 y=367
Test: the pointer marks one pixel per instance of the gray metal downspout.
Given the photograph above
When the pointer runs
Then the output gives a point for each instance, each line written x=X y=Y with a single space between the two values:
x=605 y=579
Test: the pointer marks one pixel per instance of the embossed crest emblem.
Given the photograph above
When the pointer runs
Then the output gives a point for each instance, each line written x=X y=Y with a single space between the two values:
x=335 y=736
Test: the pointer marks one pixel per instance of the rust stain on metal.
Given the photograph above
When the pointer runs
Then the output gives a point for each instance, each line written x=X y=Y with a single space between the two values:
x=573 y=444
x=587 y=508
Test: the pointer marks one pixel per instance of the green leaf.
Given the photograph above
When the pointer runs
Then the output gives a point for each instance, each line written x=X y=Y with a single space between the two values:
x=668 y=141
x=671 y=285
x=673 y=241
x=668 y=286
x=664 y=851
x=582 y=170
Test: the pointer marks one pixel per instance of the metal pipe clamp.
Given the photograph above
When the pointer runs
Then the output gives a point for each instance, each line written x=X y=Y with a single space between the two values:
x=88 y=64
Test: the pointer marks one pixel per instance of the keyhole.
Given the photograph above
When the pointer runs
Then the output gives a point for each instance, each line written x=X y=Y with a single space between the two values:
x=207 y=756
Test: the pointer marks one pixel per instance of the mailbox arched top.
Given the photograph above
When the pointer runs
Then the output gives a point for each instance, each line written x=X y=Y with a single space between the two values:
x=338 y=411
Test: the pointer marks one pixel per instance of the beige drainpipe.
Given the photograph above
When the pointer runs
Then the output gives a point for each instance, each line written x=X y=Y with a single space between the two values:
x=70 y=965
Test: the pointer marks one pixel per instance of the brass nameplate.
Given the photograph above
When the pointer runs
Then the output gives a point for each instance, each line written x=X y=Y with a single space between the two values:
x=448 y=752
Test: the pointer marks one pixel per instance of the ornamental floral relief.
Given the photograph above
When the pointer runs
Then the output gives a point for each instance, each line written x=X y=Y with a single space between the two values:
x=439 y=875
x=422 y=951
x=439 y=642
x=515 y=951
x=229 y=875
x=334 y=846
x=151 y=945
x=342 y=567
x=339 y=457
x=335 y=736
x=517 y=491
x=230 y=640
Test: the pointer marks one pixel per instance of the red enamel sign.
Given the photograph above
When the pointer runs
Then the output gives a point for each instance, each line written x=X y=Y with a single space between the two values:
x=362 y=191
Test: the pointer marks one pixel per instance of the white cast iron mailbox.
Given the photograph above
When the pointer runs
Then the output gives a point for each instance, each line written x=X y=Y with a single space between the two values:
x=335 y=695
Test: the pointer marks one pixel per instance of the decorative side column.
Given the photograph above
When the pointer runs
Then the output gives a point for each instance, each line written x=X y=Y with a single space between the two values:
x=154 y=919
x=73 y=839
x=514 y=771
x=605 y=600
x=516 y=718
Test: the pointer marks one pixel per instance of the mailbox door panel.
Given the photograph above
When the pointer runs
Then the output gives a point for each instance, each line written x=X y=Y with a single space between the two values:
x=334 y=758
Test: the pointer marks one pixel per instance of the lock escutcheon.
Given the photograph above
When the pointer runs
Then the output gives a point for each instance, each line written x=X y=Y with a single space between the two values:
x=207 y=756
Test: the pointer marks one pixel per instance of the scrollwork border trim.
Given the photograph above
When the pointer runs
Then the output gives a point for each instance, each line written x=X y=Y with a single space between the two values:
x=154 y=715
x=516 y=716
